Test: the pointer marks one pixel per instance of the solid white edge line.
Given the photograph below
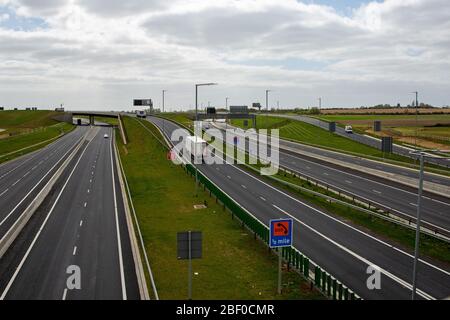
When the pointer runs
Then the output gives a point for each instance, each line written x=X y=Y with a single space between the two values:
x=22 y=262
x=119 y=244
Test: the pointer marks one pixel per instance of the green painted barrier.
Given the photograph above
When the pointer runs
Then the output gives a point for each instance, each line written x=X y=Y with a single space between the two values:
x=334 y=289
x=306 y=267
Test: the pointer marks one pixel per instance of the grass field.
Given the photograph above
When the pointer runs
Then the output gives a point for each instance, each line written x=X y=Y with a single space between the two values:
x=372 y=117
x=28 y=130
x=234 y=265
x=24 y=121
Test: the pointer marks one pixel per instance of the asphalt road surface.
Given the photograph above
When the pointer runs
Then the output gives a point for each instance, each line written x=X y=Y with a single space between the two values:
x=22 y=179
x=80 y=227
x=343 y=250
x=377 y=191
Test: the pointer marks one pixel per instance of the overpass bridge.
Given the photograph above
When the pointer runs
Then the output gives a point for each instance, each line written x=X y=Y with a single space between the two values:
x=93 y=114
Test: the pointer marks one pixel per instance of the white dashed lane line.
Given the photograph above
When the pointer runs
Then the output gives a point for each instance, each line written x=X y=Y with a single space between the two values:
x=348 y=181
x=85 y=204
x=243 y=186
x=376 y=191
x=74 y=250
x=16 y=182
x=4 y=192
x=81 y=223
x=263 y=199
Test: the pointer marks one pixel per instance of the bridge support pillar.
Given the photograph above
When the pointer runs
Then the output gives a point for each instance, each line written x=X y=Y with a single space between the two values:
x=91 y=120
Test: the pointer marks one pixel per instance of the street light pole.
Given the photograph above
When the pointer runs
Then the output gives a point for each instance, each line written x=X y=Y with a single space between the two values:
x=416 y=250
x=267 y=105
x=226 y=109
x=163 y=94
x=195 y=135
x=417 y=115
x=421 y=155
x=320 y=103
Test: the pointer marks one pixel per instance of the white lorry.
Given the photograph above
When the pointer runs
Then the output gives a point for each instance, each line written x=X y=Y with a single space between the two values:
x=195 y=146
x=141 y=114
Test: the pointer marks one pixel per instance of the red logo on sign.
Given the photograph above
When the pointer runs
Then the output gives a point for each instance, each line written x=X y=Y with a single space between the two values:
x=170 y=155
x=281 y=228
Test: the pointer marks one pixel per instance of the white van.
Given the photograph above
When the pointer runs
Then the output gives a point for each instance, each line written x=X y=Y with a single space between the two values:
x=348 y=129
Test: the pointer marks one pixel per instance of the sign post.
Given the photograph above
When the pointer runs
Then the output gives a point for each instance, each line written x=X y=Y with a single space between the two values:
x=280 y=236
x=189 y=247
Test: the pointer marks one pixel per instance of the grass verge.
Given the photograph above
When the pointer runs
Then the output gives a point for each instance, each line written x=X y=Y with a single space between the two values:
x=16 y=146
x=234 y=265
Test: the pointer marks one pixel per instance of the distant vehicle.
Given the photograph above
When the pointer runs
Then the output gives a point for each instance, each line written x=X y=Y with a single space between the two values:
x=195 y=146
x=59 y=109
x=105 y=136
x=348 y=129
x=141 y=114
x=206 y=125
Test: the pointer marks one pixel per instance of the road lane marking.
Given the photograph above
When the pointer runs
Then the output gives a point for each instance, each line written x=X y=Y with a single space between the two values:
x=27 y=253
x=26 y=174
x=348 y=181
x=119 y=244
x=81 y=223
x=243 y=186
x=364 y=260
x=263 y=199
x=228 y=177
x=413 y=204
x=325 y=174
x=16 y=182
x=74 y=250
x=88 y=191
x=376 y=191
x=85 y=204
x=4 y=192
x=64 y=294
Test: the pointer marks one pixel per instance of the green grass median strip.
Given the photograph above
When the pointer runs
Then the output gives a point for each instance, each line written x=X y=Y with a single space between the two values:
x=234 y=264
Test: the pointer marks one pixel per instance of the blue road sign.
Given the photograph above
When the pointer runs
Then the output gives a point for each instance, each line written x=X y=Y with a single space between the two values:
x=280 y=233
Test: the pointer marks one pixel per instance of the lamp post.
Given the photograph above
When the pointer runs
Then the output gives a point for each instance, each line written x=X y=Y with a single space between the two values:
x=417 y=115
x=267 y=105
x=421 y=155
x=195 y=135
x=226 y=109
x=163 y=95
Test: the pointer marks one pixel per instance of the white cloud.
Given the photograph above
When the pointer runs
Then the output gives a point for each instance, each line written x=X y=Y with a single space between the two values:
x=111 y=51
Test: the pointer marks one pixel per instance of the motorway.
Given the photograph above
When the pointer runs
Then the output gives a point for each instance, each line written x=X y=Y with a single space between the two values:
x=81 y=224
x=22 y=179
x=377 y=191
x=375 y=143
x=340 y=248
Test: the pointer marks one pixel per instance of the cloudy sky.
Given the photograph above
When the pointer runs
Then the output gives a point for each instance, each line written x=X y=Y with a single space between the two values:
x=103 y=53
